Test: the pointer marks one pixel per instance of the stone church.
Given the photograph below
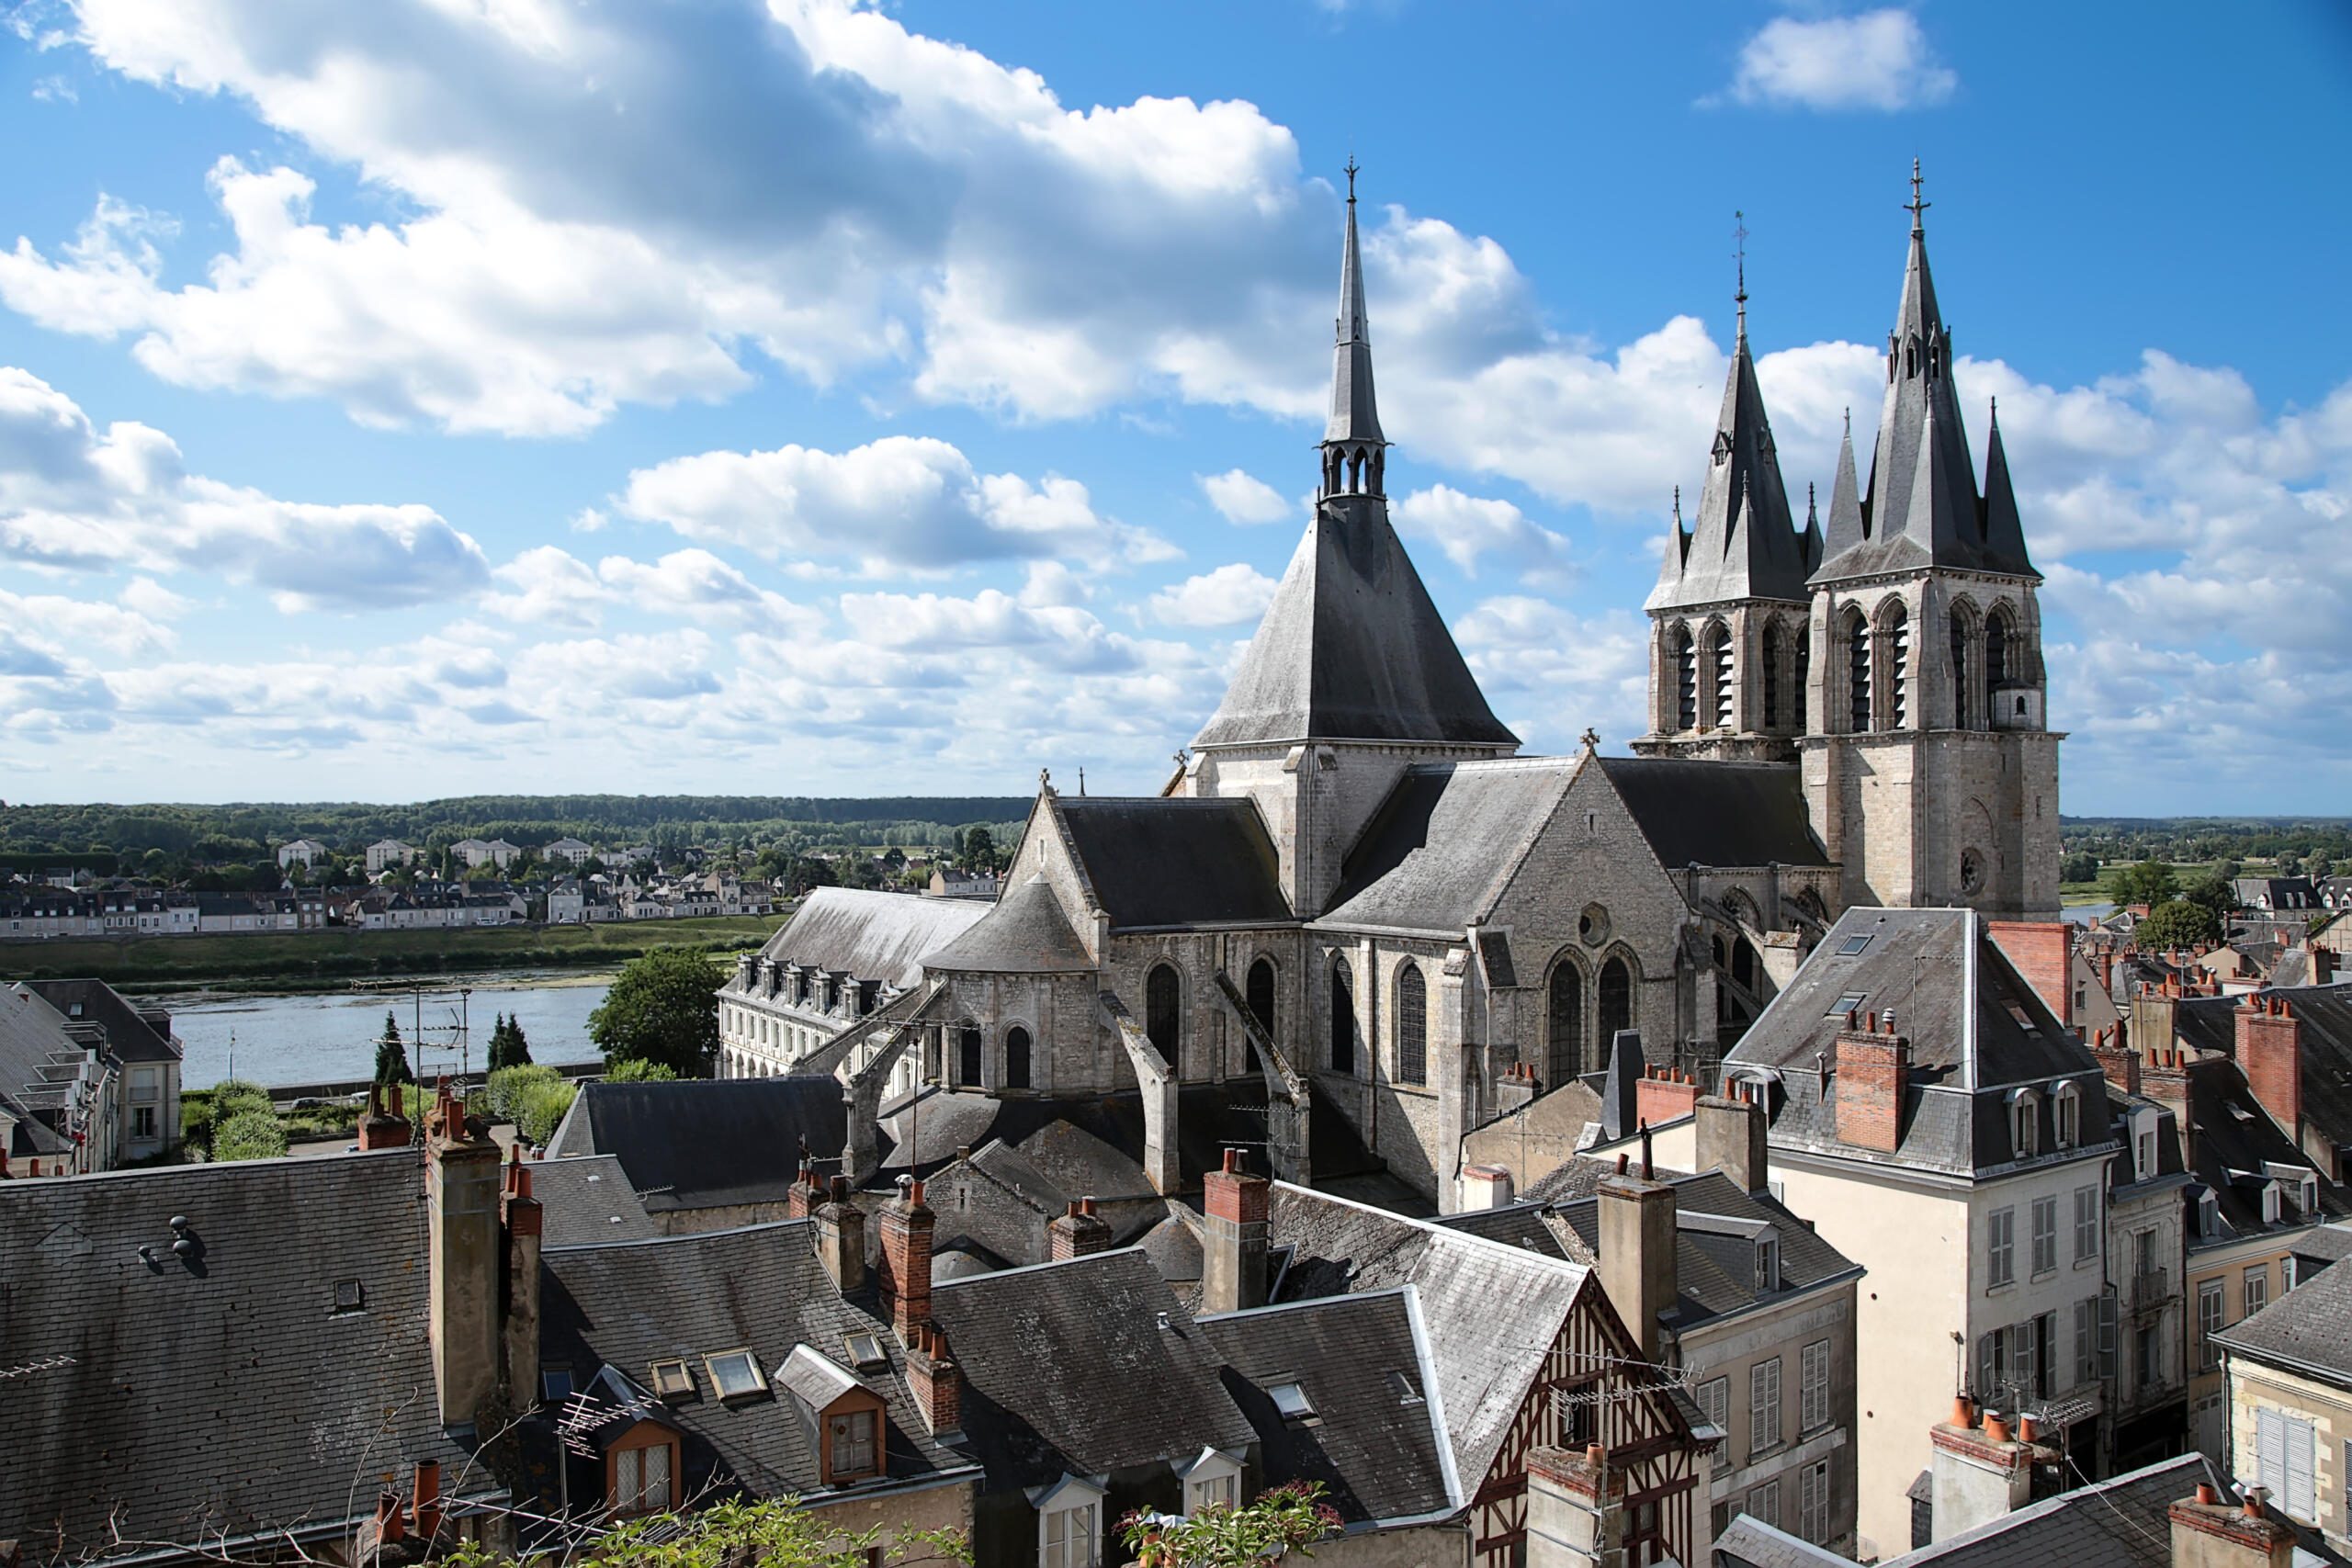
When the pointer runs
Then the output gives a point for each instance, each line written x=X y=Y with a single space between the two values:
x=1355 y=900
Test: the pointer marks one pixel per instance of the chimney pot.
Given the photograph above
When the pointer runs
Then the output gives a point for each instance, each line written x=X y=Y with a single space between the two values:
x=2206 y=1495
x=1996 y=1428
x=2254 y=1498
x=1594 y=1455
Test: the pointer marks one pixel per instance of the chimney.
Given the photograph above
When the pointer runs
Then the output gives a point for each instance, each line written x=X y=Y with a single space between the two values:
x=907 y=1226
x=2042 y=953
x=1979 y=1474
x=936 y=1383
x=384 y=1127
x=2208 y=1532
x=806 y=1193
x=525 y=1223
x=2110 y=1048
x=1233 y=1251
x=1637 y=1269
x=841 y=1238
x=1575 y=1508
x=1078 y=1233
x=466 y=1258
x=428 y=1498
x=1663 y=1094
x=1730 y=1135
x=1874 y=1080
x=2269 y=1052
x=1516 y=1088
x=1486 y=1187
x=2153 y=1018
x=1620 y=1112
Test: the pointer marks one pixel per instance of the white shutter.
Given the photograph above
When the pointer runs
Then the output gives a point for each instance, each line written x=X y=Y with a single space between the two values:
x=2270 y=1452
x=2301 y=1498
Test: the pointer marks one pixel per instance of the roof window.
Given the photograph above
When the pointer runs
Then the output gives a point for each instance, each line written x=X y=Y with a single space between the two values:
x=1290 y=1399
x=350 y=1295
x=1855 y=944
x=555 y=1383
x=866 y=1351
x=1849 y=1001
x=673 y=1379
x=1402 y=1386
x=735 y=1374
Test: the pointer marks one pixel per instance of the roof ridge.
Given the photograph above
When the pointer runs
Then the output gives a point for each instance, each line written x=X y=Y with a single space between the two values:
x=1433 y=1228
x=682 y=1235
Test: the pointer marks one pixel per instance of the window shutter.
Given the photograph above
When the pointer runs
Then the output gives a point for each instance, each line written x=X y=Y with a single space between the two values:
x=2109 y=1334
x=2270 y=1452
x=2302 y=1497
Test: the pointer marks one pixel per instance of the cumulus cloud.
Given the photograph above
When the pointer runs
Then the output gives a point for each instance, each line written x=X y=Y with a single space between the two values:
x=73 y=498
x=1549 y=671
x=1469 y=527
x=1879 y=60
x=1232 y=595
x=901 y=502
x=1243 y=498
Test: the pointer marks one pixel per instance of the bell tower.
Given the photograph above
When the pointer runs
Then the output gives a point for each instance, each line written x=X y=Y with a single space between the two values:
x=1931 y=773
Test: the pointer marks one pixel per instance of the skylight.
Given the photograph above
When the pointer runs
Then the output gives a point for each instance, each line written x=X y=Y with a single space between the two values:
x=349 y=1295
x=673 y=1380
x=1854 y=944
x=735 y=1375
x=1848 y=1002
x=1291 y=1399
x=865 y=1350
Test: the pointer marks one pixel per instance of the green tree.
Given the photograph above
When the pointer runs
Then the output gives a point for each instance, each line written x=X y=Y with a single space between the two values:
x=2177 y=924
x=2080 y=866
x=508 y=1048
x=977 y=851
x=542 y=1110
x=391 y=1053
x=2211 y=892
x=771 y=1533
x=504 y=1092
x=2150 y=882
x=662 y=1008
x=249 y=1134
x=1289 y=1519
x=641 y=1071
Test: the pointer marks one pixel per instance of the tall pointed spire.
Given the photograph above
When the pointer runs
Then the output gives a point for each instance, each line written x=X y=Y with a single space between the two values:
x=1846 y=528
x=2004 y=532
x=1355 y=416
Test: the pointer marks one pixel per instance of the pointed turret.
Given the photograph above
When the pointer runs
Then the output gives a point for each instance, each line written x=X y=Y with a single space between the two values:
x=1809 y=542
x=1351 y=440
x=1742 y=544
x=1846 y=527
x=2004 y=533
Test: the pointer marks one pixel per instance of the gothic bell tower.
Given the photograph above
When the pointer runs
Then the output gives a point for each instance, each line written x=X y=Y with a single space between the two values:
x=1930 y=773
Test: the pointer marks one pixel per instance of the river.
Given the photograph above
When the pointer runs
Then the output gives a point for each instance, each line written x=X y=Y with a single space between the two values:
x=330 y=1036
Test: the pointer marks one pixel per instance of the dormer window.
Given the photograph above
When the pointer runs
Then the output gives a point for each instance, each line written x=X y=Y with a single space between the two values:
x=2307 y=1198
x=2209 y=1216
x=2270 y=1202
x=2066 y=1111
x=1768 y=1264
x=1212 y=1480
x=2024 y=1123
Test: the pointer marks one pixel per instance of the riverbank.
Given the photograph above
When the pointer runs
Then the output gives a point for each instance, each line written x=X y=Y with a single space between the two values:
x=301 y=961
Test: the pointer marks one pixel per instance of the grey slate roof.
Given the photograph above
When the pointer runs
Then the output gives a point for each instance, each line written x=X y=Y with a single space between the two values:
x=2326 y=1012
x=1977 y=1029
x=1158 y=863
x=37 y=1063
x=2309 y=1328
x=1377 y=1439
x=760 y=1288
x=132 y=1033
x=2234 y=1138
x=703 y=1143
x=1352 y=649
x=1355 y=415
x=149 y=1366
x=1125 y=1391
x=1446 y=841
x=587 y=1200
x=2120 y=1523
x=1024 y=932
x=1720 y=813
x=1743 y=544
x=1489 y=1311
x=1747 y=1543
x=874 y=936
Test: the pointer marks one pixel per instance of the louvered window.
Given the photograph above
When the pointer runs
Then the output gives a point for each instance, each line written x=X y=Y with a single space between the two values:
x=1721 y=646
x=1898 y=667
x=1813 y=1387
x=2287 y=1455
x=1412 y=1026
x=1959 y=674
x=1857 y=675
x=1764 y=1406
x=1686 y=682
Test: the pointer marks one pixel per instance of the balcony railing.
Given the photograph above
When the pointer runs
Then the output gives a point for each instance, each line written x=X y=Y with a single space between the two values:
x=2150 y=1287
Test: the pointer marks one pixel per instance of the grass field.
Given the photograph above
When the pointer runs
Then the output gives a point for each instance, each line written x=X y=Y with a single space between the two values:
x=300 y=960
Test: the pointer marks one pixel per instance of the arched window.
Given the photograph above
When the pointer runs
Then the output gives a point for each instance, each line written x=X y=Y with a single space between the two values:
x=1804 y=673
x=1719 y=661
x=1616 y=1001
x=1412 y=1025
x=1898 y=665
x=1163 y=1012
x=967 y=1056
x=1771 y=672
x=1686 y=681
x=1261 y=997
x=1961 y=706
x=1857 y=673
x=1343 y=1017
x=1016 y=1057
x=1563 y=1034
x=1996 y=661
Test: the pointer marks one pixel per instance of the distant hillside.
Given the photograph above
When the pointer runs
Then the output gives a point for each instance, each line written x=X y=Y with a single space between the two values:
x=2187 y=840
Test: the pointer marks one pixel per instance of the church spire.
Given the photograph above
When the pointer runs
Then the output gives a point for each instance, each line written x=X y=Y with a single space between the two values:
x=2004 y=532
x=1351 y=441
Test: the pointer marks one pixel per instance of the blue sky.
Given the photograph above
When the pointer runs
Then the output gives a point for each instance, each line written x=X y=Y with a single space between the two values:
x=441 y=396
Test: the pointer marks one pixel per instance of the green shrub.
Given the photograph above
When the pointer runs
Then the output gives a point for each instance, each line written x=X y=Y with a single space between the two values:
x=637 y=1069
x=250 y=1134
x=231 y=1096
x=543 y=1109
x=195 y=1120
x=505 y=1090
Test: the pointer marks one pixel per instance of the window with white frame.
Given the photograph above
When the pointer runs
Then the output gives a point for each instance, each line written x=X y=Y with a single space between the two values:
x=2045 y=1235
x=2087 y=1340
x=2023 y=1123
x=2258 y=1289
x=2086 y=1223
x=1813 y=1502
x=1069 y=1527
x=1813 y=1387
x=2001 y=1247
x=2209 y=1322
x=1764 y=1406
x=2066 y=1108
x=1715 y=1404
x=1764 y=1504
x=2286 y=1460
x=1212 y=1480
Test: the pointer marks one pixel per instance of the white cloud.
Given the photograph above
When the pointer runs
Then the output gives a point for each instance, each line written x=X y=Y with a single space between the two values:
x=1243 y=498
x=697 y=584
x=1879 y=60
x=1467 y=527
x=551 y=587
x=73 y=499
x=1232 y=595
x=1549 y=672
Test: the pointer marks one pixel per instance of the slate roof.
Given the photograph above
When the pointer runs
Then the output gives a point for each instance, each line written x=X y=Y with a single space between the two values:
x=1715 y=1269
x=144 y=1367
x=587 y=1200
x=1125 y=1391
x=2232 y=1148
x=1158 y=863
x=2120 y=1523
x=1722 y=813
x=40 y=1063
x=703 y=1143
x=2309 y=1328
x=1355 y=415
x=1489 y=1311
x=132 y=1033
x=1376 y=1440
x=1444 y=843
x=1746 y=1542
x=1352 y=649
x=1977 y=1029
x=759 y=1288
x=874 y=936
x=1024 y=932
x=1743 y=544
x=2326 y=1012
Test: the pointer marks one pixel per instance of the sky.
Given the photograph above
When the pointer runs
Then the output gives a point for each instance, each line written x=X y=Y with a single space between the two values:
x=437 y=397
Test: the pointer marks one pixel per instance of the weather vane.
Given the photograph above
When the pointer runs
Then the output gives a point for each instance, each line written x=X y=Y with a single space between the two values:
x=1916 y=206
x=1353 y=167
x=1739 y=240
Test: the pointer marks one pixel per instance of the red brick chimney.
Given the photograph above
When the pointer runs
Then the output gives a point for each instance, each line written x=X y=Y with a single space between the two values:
x=2269 y=1052
x=907 y=1226
x=1663 y=1094
x=1873 y=1077
x=384 y=1127
x=1233 y=1251
x=841 y=1238
x=1078 y=1232
x=2210 y=1533
x=525 y=1221
x=2116 y=1059
x=466 y=1257
x=2042 y=953
x=801 y=1199
x=935 y=1380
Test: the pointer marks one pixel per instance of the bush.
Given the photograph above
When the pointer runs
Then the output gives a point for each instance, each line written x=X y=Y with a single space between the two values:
x=249 y=1134
x=505 y=1091
x=543 y=1107
x=195 y=1120
x=638 y=1071
x=231 y=1096
x=2177 y=924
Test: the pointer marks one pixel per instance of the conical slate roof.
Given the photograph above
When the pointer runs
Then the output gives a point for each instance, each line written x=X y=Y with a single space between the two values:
x=1355 y=414
x=1742 y=545
x=1024 y=932
x=1844 y=529
x=2004 y=533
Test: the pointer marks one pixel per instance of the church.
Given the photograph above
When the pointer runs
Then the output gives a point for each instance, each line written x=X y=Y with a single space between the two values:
x=1356 y=909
